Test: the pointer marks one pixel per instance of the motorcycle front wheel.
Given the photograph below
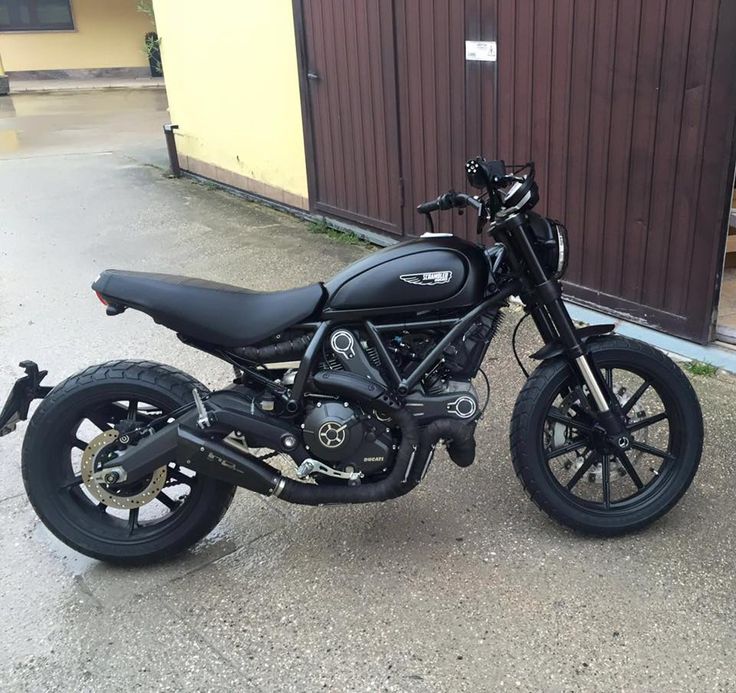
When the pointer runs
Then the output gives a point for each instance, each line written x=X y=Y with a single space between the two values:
x=76 y=426
x=568 y=468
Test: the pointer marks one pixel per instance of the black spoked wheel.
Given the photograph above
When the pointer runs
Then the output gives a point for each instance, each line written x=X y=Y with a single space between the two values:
x=84 y=423
x=566 y=462
x=144 y=506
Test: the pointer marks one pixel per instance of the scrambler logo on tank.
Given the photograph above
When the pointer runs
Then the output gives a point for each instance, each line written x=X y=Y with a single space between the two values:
x=427 y=278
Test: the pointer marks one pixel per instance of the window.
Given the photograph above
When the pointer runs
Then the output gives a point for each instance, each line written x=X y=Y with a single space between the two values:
x=35 y=15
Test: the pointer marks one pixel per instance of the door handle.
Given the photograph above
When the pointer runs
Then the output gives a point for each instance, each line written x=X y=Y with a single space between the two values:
x=313 y=75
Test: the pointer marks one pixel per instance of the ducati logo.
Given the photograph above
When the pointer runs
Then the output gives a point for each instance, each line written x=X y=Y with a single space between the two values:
x=427 y=278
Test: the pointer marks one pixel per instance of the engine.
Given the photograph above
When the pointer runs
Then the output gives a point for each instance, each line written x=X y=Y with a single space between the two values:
x=350 y=439
x=345 y=436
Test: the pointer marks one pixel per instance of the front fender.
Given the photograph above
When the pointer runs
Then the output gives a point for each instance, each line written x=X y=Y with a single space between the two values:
x=584 y=334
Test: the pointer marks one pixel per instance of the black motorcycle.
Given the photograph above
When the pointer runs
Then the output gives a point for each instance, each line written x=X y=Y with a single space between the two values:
x=356 y=381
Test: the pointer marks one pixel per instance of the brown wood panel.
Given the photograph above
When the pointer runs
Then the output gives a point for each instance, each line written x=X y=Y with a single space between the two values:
x=583 y=19
x=616 y=112
x=665 y=163
x=716 y=174
x=599 y=140
x=635 y=228
x=543 y=41
x=352 y=110
x=693 y=114
x=441 y=100
x=561 y=65
x=626 y=106
x=620 y=157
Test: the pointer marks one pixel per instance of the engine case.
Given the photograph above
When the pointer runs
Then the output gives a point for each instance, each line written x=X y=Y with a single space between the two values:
x=458 y=401
x=344 y=436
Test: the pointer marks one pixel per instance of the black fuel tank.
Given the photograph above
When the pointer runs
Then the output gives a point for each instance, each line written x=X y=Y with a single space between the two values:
x=438 y=272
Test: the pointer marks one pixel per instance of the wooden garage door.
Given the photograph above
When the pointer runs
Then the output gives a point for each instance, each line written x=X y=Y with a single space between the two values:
x=626 y=106
x=351 y=84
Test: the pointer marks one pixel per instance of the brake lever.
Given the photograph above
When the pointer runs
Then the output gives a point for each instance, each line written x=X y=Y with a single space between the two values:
x=482 y=216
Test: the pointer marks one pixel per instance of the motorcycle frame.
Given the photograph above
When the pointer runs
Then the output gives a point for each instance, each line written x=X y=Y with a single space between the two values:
x=294 y=397
x=540 y=295
x=400 y=385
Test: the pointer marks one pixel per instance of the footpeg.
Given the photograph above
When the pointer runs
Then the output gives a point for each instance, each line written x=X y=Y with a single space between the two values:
x=311 y=466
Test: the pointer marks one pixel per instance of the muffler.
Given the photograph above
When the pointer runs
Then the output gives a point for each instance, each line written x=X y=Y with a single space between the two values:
x=212 y=458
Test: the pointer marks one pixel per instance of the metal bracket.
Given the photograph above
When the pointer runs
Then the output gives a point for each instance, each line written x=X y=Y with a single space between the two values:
x=23 y=392
x=311 y=466
x=203 y=416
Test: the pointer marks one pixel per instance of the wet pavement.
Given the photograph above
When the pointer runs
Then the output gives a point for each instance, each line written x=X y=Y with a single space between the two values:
x=55 y=86
x=461 y=586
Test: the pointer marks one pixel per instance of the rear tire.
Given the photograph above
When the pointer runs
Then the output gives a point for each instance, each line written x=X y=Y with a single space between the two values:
x=68 y=510
x=537 y=439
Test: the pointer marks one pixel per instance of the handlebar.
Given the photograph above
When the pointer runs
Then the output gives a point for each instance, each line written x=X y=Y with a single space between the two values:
x=449 y=200
x=521 y=192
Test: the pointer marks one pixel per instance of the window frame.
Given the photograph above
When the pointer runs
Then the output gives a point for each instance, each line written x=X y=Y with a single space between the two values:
x=38 y=27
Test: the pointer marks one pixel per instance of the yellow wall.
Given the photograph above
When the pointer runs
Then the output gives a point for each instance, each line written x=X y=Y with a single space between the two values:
x=108 y=33
x=233 y=87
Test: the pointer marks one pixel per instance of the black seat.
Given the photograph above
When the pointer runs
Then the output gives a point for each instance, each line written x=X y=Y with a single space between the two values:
x=208 y=311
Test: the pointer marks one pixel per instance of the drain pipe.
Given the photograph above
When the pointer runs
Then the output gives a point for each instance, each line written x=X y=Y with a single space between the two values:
x=171 y=146
x=4 y=82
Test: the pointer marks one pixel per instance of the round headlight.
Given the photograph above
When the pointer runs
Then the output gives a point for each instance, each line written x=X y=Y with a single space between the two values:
x=562 y=253
x=549 y=238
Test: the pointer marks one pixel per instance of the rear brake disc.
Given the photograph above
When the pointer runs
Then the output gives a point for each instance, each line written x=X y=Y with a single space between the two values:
x=120 y=496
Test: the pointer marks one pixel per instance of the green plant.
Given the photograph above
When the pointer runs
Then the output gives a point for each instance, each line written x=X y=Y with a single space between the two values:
x=152 y=42
x=700 y=368
x=346 y=237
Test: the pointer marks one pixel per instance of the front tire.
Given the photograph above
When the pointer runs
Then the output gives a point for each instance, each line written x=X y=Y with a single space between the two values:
x=564 y=466
x=154 y=519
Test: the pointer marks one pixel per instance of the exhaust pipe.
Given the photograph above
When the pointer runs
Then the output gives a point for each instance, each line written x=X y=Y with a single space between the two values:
x=215 y=459
x=390 y=487
x=458 y=436
x=211 y=457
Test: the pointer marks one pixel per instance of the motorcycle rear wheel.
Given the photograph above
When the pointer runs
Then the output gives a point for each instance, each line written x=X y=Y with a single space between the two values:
x=571 y=474
x=148 y=521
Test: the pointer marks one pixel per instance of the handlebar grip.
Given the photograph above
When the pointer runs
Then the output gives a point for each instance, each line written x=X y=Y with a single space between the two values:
x=445 y=201
x=427 y=207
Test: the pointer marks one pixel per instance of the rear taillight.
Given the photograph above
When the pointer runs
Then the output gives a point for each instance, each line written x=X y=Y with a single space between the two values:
x=102 y=298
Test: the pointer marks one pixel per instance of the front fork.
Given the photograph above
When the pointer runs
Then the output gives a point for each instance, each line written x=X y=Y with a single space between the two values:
x=555 y=325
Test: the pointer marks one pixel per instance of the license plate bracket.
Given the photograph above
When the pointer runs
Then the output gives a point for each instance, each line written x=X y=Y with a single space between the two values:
x=23 y=392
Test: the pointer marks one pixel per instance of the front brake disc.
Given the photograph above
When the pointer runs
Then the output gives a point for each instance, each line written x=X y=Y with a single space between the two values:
x=558 y=435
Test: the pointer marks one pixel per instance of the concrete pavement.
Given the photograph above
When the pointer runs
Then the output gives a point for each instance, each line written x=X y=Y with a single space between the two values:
x=461 y=586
